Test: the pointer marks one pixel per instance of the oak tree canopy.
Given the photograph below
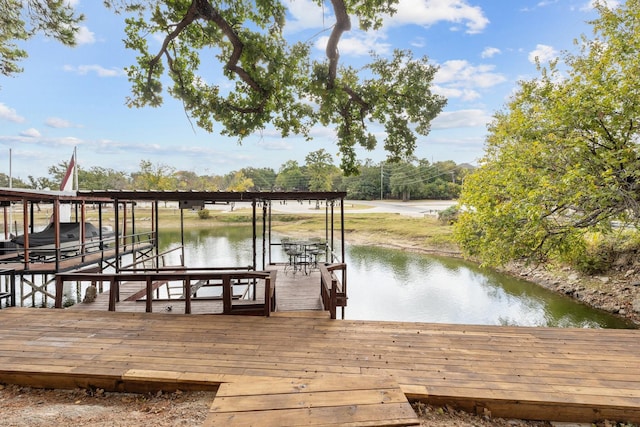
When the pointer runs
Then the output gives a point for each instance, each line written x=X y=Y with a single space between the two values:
x=268 y=79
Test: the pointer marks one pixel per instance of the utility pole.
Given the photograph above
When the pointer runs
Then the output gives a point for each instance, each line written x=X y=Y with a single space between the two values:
x=381 y=179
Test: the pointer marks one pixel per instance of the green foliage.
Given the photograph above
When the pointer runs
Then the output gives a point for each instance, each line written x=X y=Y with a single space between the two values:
x=601 y=251
x=270 y=80
x=22 y=19
x=204 y=214
x=154 y=177
x=15 y=182
x=562 y=161
x=239 y=182
x=449 y=215
x=319 y=168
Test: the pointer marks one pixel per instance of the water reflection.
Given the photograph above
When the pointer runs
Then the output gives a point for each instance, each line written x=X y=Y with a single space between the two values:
x=385 y=284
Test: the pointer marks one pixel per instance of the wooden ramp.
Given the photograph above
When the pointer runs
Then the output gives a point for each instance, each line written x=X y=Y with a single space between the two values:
x=516 y=372
x=321 y=402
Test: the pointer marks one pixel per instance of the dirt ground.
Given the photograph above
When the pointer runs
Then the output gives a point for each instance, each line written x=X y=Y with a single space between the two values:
x=28 y=407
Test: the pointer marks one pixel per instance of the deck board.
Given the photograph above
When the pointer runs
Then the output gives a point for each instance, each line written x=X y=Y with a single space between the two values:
x=537 y=373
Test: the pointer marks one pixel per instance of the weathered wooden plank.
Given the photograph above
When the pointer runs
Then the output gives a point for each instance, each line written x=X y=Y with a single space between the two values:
x=344 y=416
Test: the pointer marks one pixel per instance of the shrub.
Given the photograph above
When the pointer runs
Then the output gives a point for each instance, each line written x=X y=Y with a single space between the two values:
x=597 y=255
x=449 y=216
x=204 y=214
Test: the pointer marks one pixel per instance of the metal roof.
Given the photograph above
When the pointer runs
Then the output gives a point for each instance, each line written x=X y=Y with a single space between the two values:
x=213 y=196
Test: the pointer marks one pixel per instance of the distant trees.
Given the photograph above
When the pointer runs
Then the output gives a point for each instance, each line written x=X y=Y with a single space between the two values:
x=291 y=177
x=15 y=182
x=407 y=180
x=154 y=177
x=423 y=180
x=562 y=161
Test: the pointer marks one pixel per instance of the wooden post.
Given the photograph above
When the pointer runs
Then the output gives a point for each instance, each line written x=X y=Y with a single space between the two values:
x=25 y=227
x=227 y=294
x=267 y=296
x=149 y=302
x=59 y=290
x=187 y=294
x=113 y=297
x=56 y=232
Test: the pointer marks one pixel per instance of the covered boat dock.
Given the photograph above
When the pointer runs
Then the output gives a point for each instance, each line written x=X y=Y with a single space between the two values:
x=44 y=267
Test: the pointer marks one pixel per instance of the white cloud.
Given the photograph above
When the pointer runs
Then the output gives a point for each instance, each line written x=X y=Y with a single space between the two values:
x=84 y=36
x=359 y=44
x=97 y=69
x=10 y=114
x=464 y=94
x=430 y=12
x=590 y=5
x=275 y=145
x=460 y=79
x=461 y=118
x=543 y=53
x=56 y=122
x=490 y=52
x=31 y=133
x=306 y=14
x=419 y=42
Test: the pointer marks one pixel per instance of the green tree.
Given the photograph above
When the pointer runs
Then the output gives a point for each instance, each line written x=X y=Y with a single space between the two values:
x=272 y=79
x=188 y=180
x=154 y=177
x=22 y=19
x=291 y=177
x=240 y=182
x=100 y=178
x=41 y=183
x=320 y=169
x=15 y=182
x=563 y=160
x=263 y=178
x=405 y=179
x=366 y=185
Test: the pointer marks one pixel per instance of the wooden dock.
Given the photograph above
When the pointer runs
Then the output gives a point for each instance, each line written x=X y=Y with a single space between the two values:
x=295 y=292
x=533 y=373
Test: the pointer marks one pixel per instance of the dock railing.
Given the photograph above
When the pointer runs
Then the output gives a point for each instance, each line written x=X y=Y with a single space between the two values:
x=332 y=290
x=8 y=287
x=190 y=279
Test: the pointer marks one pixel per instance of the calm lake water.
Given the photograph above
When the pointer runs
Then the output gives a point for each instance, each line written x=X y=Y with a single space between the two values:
x=385 y=284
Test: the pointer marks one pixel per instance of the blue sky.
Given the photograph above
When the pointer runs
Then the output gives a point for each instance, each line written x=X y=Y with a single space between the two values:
x=75 y=97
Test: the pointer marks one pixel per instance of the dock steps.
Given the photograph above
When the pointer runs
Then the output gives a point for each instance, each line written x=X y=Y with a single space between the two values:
x=333 y=400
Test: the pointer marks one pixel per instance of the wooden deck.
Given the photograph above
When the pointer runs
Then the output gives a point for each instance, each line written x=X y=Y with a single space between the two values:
x=535 y=373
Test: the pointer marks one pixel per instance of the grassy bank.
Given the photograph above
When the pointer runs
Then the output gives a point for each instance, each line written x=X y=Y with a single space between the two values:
x=393 y=230
x=384 y=229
